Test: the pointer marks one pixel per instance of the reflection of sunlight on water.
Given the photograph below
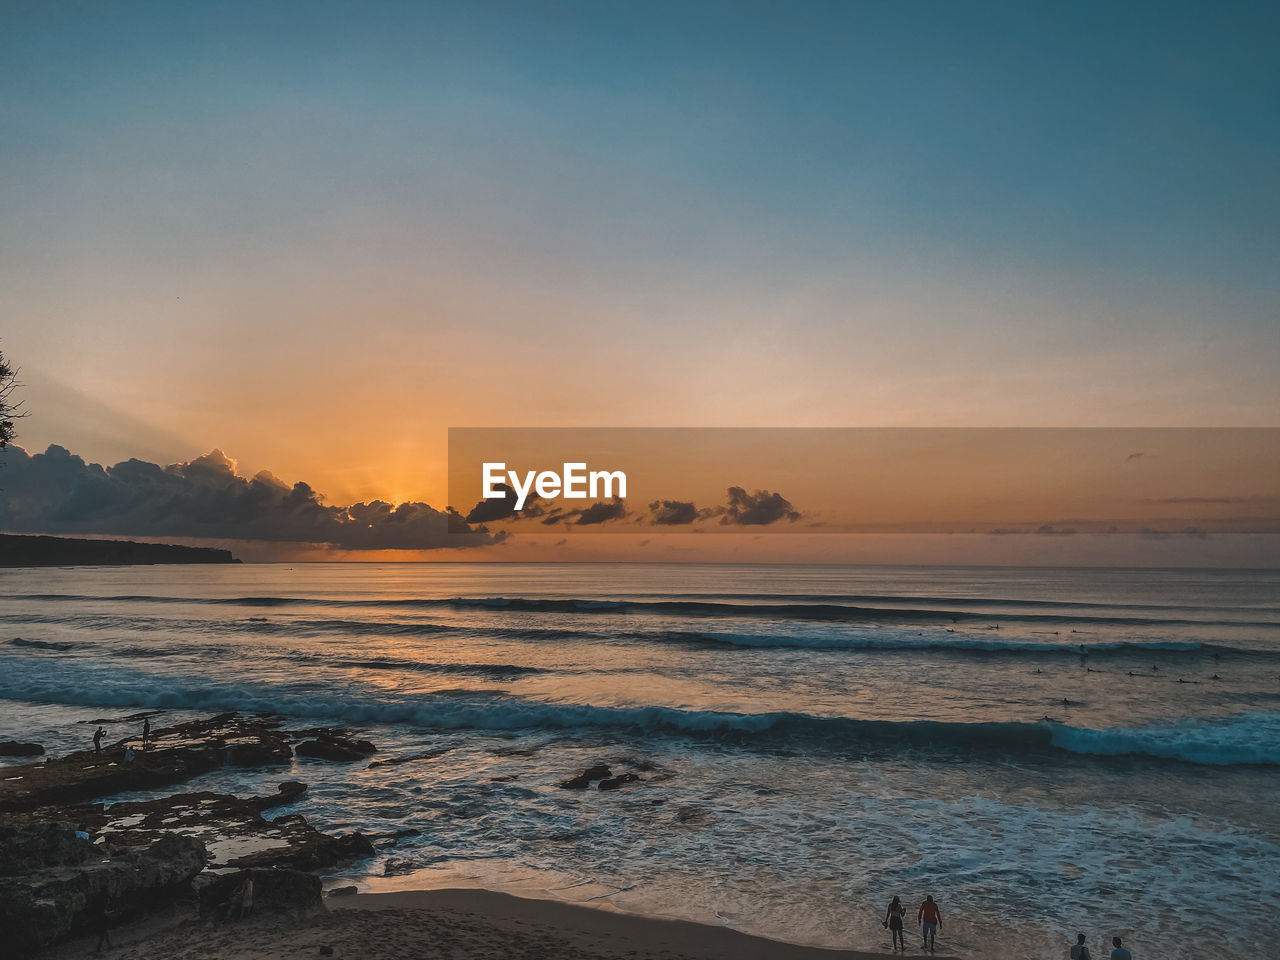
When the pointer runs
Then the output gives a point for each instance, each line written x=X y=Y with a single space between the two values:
x=802 y=837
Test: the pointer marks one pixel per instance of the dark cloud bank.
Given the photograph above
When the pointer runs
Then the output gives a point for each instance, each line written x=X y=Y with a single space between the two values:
x=57 y=492
x=741 y=509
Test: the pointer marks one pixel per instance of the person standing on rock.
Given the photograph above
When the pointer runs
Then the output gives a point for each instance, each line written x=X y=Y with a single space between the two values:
x=146 y=733
x=97 y=740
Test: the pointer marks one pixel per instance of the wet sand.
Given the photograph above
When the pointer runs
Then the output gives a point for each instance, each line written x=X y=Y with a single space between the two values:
x=457 y=924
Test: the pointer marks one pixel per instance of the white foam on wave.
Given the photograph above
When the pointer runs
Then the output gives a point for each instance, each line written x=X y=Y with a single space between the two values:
x=1247 y=738
x=882 y=639
x=1251 y=738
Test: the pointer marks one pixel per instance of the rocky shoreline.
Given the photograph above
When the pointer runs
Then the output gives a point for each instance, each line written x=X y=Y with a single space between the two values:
x=69 y=866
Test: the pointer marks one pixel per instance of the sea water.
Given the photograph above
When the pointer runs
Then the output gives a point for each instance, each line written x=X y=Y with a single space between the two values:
x=1045 y=751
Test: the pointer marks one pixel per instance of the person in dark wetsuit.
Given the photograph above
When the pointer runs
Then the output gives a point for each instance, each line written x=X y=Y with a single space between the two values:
x=97 y=740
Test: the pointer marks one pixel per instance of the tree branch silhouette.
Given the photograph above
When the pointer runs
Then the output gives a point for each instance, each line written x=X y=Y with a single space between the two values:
x=10 y=408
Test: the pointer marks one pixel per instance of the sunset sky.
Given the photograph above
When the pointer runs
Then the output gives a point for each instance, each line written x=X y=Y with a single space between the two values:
x=317 y=235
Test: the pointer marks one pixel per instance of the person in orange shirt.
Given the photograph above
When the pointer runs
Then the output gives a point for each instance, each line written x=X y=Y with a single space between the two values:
x=930 y=919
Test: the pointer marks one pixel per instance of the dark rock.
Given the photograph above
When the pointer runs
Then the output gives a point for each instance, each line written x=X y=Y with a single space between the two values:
x=694 y=816
x=18 y=550
x=255 y=754
x=26 y=848
x=326 y=951
x=583 y=780
x=12 y=748
x=42 y=644
x=275 y=890
x=396 y=867
x=396 y=761
x=335 y=748
x=613 y=783
x=344 y=891
x=139 y=717
x=289 y=791
x=62 y=897
x=178 y=753
x=325 y=750
x=235 y=831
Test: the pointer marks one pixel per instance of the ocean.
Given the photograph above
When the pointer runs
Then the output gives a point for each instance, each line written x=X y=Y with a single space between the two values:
x=1046 y=751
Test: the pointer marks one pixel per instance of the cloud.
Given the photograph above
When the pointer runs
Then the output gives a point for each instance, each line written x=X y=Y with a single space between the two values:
x=597 y=513
x=489 y=510
x=602 y=512
x=670 y=513
x=58 y=492
x=761 y=507
x=744 y=509
x=1216 y=500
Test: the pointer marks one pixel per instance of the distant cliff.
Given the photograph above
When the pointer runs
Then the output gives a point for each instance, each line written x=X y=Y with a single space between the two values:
x=19 y=551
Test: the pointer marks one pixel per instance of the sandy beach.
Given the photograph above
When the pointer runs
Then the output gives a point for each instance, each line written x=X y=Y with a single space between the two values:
x=458 y=924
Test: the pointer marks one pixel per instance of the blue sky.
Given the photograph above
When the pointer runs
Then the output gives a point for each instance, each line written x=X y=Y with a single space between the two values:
x=707 y=213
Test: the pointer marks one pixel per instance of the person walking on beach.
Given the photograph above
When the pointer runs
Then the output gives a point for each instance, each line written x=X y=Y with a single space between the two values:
x=241 y=904
x=1079 y=951
x=893 y=920
x=1119 y=953
x=146 y=732
x=930 y=919
x=100 y=922
x=97 y=740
